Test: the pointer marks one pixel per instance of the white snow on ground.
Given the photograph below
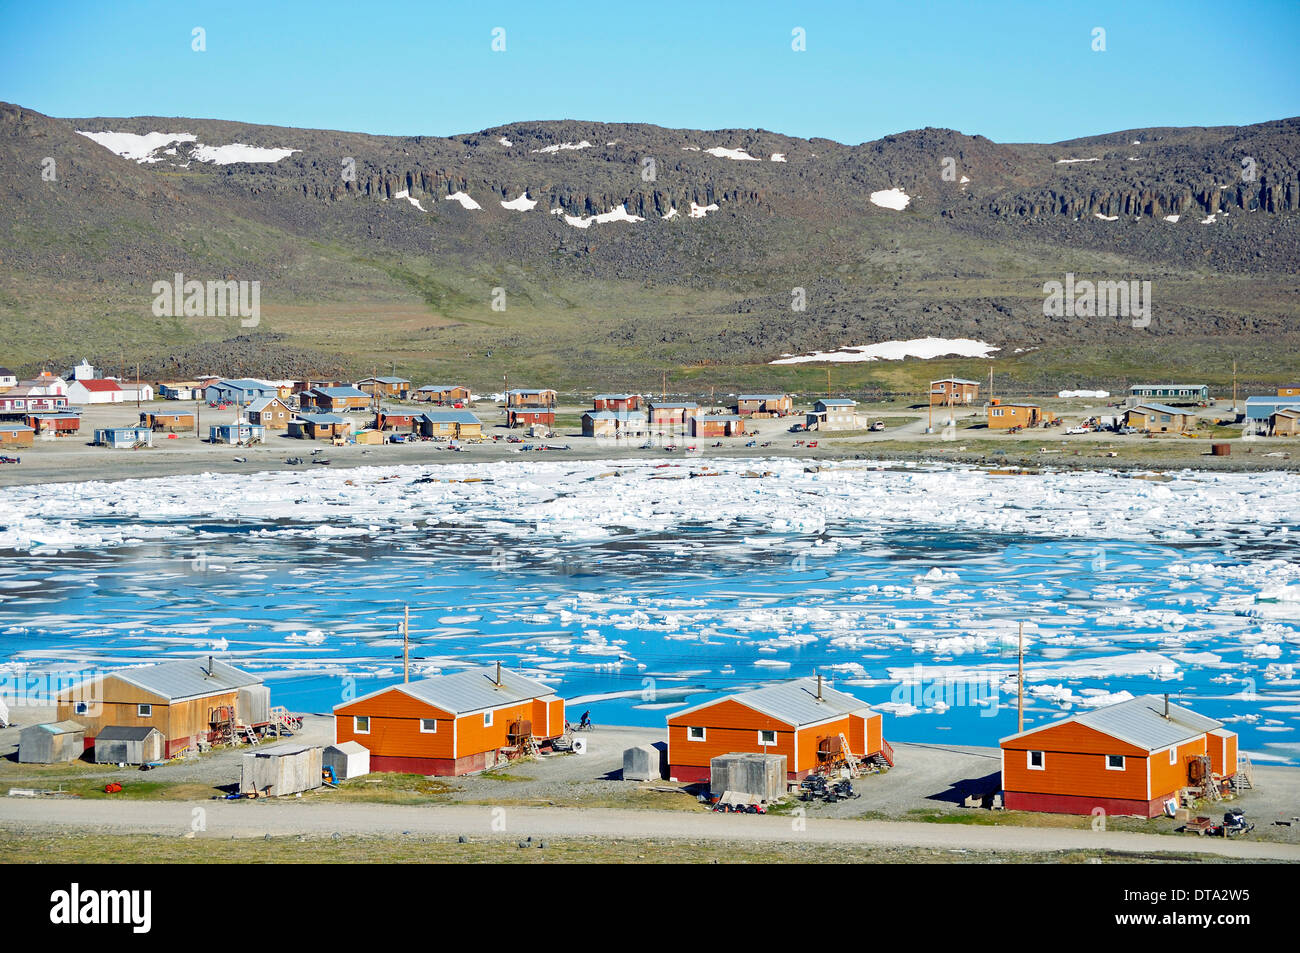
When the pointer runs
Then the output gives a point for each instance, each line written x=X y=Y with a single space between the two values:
x=739 y=154
x=238 y=152
x=964 y=179
x=464 y=200
x=521 y=204
x=130 y=145
x=924 y=348
x=564 y=146
x=1083 y=393
x=1172 y=218
x=672 y=213
x=560 y=500
x=1208 y=220
x=690 y=148
x=699 y=211
x=896 y=199
x=777 y=157
x=405 y=194
x=1106 y=218
x=1068 y=161
x=142 y=148
x=619 y=214
x=505 y=142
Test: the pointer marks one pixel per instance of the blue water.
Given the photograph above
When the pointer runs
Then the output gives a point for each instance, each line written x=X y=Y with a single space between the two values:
x=636 y=627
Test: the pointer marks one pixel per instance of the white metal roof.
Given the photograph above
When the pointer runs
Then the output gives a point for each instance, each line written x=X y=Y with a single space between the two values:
x=1139 y=721
x=469 y=691
x=187 y=678
x=794 y=702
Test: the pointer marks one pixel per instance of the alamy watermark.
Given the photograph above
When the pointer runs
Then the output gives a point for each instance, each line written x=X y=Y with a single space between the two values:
x=1098 y=299
x=208 y=299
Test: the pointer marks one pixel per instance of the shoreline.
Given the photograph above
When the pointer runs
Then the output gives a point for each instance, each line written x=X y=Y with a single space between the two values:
x=72 y=466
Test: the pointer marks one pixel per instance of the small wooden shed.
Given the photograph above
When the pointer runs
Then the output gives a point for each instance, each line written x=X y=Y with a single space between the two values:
x=51 y=743
x=129 y=744
x=348 y=759
x=281 y=769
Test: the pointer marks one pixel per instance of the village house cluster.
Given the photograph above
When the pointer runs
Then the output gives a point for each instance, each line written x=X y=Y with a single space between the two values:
x=389 y=409
x=1142 y=756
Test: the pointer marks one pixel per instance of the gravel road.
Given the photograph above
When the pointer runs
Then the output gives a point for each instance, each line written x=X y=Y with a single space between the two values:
x=225 y=820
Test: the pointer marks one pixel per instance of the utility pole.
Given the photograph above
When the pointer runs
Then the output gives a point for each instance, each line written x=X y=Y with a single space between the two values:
x=406 y=644
x=663 y=392
x=137 y=389
x=1020 y=682
x=828 y=383
x=1234 y=388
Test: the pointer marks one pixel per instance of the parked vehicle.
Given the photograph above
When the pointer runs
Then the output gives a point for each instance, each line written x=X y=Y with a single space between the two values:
x=797 y=428
x=11 y=460
x=1127 y=430
x=1077 y=430
x=878 y=426
x=752 y=443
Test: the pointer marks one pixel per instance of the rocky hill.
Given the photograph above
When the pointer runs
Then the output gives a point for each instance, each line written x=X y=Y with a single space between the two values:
x=702 y=235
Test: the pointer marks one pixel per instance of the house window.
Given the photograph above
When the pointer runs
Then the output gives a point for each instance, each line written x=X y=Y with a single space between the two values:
x=487 y=719
x=81 y=708
x=767 y=737
x=144 y=711
x=694 y=734
x=428 y=726
x=1173 y=755
x=1036 y=761
x=1114 y=762
x=996 y=412
x=361 y=724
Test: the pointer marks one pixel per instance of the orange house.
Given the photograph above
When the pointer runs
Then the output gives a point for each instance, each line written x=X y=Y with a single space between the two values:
x=1127 y=758
x=801 y=719
x=184 y=699
x=953 y=390
x=1005 y=416
x=450 y=724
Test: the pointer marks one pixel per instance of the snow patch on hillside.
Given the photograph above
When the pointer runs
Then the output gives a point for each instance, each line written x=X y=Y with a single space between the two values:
x=464 y=200
x=619 y=214
x=923 y=348
x=239 y=152
x=895 y=199
x=130 y=145
x=738 y=154
x=564 y=147
x=521 y=204
x=152 y=147
x=699 y=211
x=405 y=194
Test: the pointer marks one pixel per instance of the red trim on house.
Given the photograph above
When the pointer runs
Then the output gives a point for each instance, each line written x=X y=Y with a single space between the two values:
x=1080 y=804
x=442 y=767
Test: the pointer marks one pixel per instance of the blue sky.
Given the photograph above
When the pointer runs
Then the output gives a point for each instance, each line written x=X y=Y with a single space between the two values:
x=1012 y=71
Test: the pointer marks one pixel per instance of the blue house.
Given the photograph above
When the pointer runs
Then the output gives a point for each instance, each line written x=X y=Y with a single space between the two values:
x=242 y=391
x=239 y=432
x=1259 y=409
x=124 y=438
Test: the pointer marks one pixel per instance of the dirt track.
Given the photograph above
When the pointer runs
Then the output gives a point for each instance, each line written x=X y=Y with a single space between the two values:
x=224 y=820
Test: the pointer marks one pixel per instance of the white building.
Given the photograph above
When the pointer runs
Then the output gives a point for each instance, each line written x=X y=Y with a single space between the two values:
x=82 y=372
x=130 y=389
x=94 y=392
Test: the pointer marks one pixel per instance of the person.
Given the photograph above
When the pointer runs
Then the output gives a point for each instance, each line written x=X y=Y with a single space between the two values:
x=586 y=720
